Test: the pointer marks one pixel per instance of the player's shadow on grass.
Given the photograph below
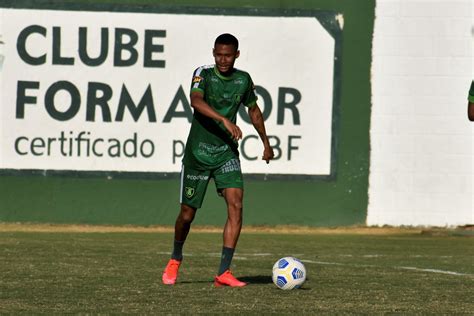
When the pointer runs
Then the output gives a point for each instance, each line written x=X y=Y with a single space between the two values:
x=257 y=279
x=254 y=279
x=265 y=279
x=199 y=281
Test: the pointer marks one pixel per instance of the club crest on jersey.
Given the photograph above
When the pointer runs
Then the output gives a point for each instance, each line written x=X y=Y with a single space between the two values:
x=189 y=192
x=197 y=79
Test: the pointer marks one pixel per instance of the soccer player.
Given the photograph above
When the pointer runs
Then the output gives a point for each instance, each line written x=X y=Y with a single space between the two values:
x=217 y=91
x=470 y=105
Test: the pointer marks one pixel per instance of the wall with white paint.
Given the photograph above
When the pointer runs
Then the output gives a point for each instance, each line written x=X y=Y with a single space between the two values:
x=422 y=144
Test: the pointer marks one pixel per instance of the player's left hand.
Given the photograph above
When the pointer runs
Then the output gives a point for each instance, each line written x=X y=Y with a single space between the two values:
x=268 y=154
x=233 y=129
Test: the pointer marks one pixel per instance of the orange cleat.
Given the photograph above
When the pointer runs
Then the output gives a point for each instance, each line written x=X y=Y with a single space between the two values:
x=171 y=272
x=227 y=279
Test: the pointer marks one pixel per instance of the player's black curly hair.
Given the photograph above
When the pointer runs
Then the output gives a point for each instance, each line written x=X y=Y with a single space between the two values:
x=227 y=39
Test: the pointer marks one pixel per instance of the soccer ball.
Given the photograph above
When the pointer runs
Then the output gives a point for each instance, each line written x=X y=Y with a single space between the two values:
x=288 y=273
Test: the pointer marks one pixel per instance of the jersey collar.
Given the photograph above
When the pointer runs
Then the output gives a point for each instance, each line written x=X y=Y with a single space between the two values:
x=218 y=74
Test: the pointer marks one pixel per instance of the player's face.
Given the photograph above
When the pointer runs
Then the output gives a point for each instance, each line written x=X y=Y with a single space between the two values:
x=225 y=56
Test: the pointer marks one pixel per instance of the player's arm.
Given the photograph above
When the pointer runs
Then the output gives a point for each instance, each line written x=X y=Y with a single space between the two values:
x=198 y=103
x=256 y=118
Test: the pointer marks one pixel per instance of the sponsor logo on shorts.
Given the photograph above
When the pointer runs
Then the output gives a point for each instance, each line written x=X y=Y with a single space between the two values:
x=198 y=177
x=189 y=192
x=231 y=166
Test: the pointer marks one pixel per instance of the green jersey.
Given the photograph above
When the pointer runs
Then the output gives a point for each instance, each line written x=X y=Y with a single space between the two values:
x=209 y=145
x=471 y=93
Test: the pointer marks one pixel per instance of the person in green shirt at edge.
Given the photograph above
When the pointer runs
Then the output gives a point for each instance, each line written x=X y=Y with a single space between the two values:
x=217 y=91
x=470 y=105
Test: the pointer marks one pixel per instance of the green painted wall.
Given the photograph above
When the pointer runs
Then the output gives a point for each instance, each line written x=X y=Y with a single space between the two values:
x=330 y=202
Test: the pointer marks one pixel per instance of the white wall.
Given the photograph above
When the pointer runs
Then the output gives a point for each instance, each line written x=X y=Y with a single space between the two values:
x=422 y=144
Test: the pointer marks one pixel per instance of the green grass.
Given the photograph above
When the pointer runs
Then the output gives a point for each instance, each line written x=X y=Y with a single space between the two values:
x=44 y=273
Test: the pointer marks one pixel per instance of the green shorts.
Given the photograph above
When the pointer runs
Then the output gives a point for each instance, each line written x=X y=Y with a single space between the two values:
x=194 y=182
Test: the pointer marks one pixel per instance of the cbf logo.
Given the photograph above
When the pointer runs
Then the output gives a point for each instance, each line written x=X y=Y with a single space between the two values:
x=189 y=192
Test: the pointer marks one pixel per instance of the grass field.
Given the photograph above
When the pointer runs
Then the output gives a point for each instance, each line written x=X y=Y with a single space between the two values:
x=46 y=270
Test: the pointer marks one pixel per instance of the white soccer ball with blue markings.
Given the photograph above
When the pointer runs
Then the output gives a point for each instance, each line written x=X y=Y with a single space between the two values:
x=289 y=273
